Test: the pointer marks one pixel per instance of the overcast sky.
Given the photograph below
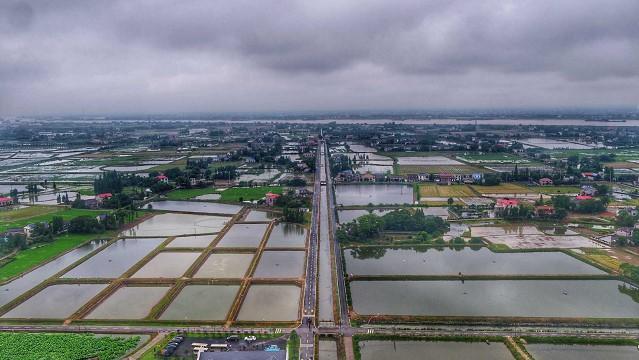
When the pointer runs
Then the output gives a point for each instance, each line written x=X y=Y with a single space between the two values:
x=112 y=56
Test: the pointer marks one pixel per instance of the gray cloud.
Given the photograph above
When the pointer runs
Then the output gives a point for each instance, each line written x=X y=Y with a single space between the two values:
x=131 y=55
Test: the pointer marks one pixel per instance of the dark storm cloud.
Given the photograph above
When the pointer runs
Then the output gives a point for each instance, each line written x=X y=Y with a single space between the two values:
x=262 y=55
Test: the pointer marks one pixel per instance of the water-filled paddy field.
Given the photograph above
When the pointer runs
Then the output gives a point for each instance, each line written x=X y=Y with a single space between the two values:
x=171 y=224
x=243 y=235
x=468 y=261
x=375 y=194
x=195 y=241
x=502 y=298
x=287 y=235
x=153 y=269
x=201 y=302
x=280 y=264
x=271 y=303
x=225 y=265
x=56 y=301
x=582 y=352
x=115 y=259
x=196 y=207
x=167 y=265
x=15 y=288
x=531 y=237
x=255 y=215
x=383 y=350
x=129 y=303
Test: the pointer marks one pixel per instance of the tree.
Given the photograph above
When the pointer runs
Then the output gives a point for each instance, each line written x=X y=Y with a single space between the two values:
x=624 y=219
x=491 y=179
x=85 y=224
x=294 y=215
x=450 y=201
x=57 y=224
x=562 y=202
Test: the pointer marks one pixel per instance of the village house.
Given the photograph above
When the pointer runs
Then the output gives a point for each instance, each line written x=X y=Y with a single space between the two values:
x=162 y=178
x=100 y=198
x=6 y=201
x=503 y=204
x=445 y=178
x=368 y=176
x=545 y=182
x=588 y=190
x=544 y=211
x=270 y=199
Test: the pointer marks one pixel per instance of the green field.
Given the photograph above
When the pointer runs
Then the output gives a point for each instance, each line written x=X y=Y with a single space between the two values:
x=176 y=164
x=620 y=154
x=22 y=217
x=185 y=194
x=253 y=193
x=35 y=346
x=9 y=215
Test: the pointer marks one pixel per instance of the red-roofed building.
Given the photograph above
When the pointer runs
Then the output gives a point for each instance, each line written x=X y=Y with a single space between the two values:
x=589 y=175
x=502 y=205
x=544 y=210
x=445 y=178
x=545 y=181
x=506 y=203
x=5 y=201
x=162 y=178
x=271 y=198
x=101 y=197
x=583 y=197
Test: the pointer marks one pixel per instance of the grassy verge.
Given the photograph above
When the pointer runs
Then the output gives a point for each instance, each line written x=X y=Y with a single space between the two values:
x=238 y=194
x=293 y=346
x=603 y=258
x=30 y=258
x=185 y=194
x=176 y=164
x=26 y=260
